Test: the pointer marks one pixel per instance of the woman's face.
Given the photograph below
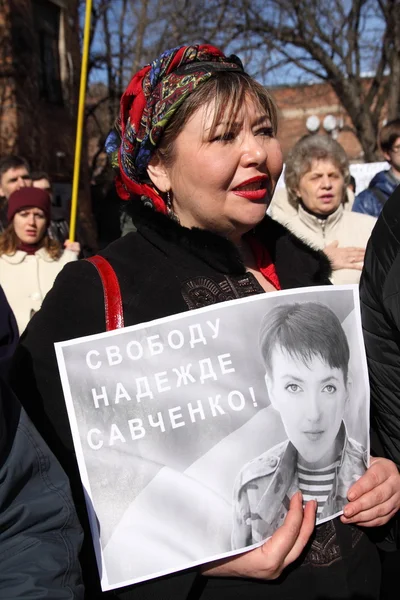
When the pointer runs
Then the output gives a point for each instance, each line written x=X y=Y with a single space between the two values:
x=311 y=399
x=224 y=182
x=321 y=188
x=30 y=225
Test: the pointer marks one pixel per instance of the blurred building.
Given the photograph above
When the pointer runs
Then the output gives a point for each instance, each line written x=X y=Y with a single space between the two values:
x=39 y=79
x=314 y=108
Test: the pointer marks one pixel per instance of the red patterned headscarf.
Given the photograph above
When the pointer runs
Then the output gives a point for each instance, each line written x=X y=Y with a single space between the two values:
x=149 y=102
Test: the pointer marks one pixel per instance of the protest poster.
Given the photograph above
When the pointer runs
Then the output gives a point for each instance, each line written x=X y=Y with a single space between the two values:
x=185 y=425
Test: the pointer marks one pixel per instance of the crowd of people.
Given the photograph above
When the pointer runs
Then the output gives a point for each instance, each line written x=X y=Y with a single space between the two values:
x=197 y=161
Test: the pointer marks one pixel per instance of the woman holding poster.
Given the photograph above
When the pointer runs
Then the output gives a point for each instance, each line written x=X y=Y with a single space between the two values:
x=197 y=161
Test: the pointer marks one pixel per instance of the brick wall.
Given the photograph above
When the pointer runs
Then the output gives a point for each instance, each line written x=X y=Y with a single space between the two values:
x=8 y=115
x=299 y=102
x=32 y=123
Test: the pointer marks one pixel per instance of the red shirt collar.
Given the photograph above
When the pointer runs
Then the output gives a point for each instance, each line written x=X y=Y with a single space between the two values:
x=264 y=262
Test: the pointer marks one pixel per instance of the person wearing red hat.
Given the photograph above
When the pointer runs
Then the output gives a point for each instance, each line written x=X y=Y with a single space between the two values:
x=29 y=259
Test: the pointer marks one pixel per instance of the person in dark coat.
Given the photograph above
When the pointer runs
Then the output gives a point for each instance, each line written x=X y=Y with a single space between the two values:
x=199 y=179
x=40 y=536
x=380 y=306
x=371 y=200
x=8 y=335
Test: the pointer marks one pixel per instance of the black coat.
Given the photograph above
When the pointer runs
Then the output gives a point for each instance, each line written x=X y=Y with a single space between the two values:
x=164 y=269
x=380 y=305
x=40 y=535
x=8 y=335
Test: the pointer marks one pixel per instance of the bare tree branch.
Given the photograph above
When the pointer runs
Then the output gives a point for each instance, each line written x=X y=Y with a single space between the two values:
x=335 y=41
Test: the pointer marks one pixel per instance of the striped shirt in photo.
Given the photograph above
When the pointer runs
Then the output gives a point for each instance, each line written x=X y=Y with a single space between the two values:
x=316 y=484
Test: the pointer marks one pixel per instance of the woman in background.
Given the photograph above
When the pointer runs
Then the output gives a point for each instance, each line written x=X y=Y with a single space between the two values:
x=29 y=259
x=317 y=177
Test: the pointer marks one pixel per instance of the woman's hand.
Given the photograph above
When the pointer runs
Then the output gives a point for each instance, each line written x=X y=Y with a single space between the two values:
x=344 y=258
x=375 y=498
x=284 y=547
x=73 y=246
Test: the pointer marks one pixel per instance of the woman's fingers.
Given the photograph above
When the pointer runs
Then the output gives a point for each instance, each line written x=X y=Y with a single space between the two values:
x=282 y=541
x=378 y=504
x=285 y=546
x=72 y=246
x=375 y=497
x=307 y=528
x=348 y=257
x=290 y=539
x=374 y=517
x=376 y=474
x=352 y=257
x=379 y=471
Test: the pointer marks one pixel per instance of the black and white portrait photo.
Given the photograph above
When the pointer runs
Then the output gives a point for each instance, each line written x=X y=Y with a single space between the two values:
x=193 y=432
x=306 y=356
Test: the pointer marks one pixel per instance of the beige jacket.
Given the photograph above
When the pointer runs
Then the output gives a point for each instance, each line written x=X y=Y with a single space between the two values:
x=348 y=228
x=26 y=279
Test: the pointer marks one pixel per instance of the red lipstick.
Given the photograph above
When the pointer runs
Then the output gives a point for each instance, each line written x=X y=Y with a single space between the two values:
x=252 y=189
x=251 y=194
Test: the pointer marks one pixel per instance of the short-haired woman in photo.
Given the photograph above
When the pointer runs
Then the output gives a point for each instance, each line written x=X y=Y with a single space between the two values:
x=197 y=161
x=316 y=177
x=306 y=356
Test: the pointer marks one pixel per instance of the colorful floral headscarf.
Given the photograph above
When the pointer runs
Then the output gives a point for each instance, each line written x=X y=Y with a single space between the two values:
x=149 y=102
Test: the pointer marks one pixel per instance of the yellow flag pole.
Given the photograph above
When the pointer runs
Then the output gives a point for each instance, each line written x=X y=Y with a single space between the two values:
x=79 y=126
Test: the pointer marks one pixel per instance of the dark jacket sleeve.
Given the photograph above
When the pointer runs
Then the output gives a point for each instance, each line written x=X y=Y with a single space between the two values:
x=367 y=203
x=380 y=305
x=8 y=335
x=40 y=536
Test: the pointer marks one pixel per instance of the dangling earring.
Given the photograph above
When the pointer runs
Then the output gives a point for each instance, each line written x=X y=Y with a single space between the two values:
x=169 y=203
x=170 y=210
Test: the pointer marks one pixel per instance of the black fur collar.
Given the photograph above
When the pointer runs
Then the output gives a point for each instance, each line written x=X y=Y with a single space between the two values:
x=296 y=263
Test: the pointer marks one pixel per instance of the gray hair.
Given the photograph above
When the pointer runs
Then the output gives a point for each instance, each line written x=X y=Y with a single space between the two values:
x=308 y=149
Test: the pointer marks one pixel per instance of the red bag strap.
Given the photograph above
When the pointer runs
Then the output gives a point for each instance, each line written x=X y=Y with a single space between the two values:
x=112 y=294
